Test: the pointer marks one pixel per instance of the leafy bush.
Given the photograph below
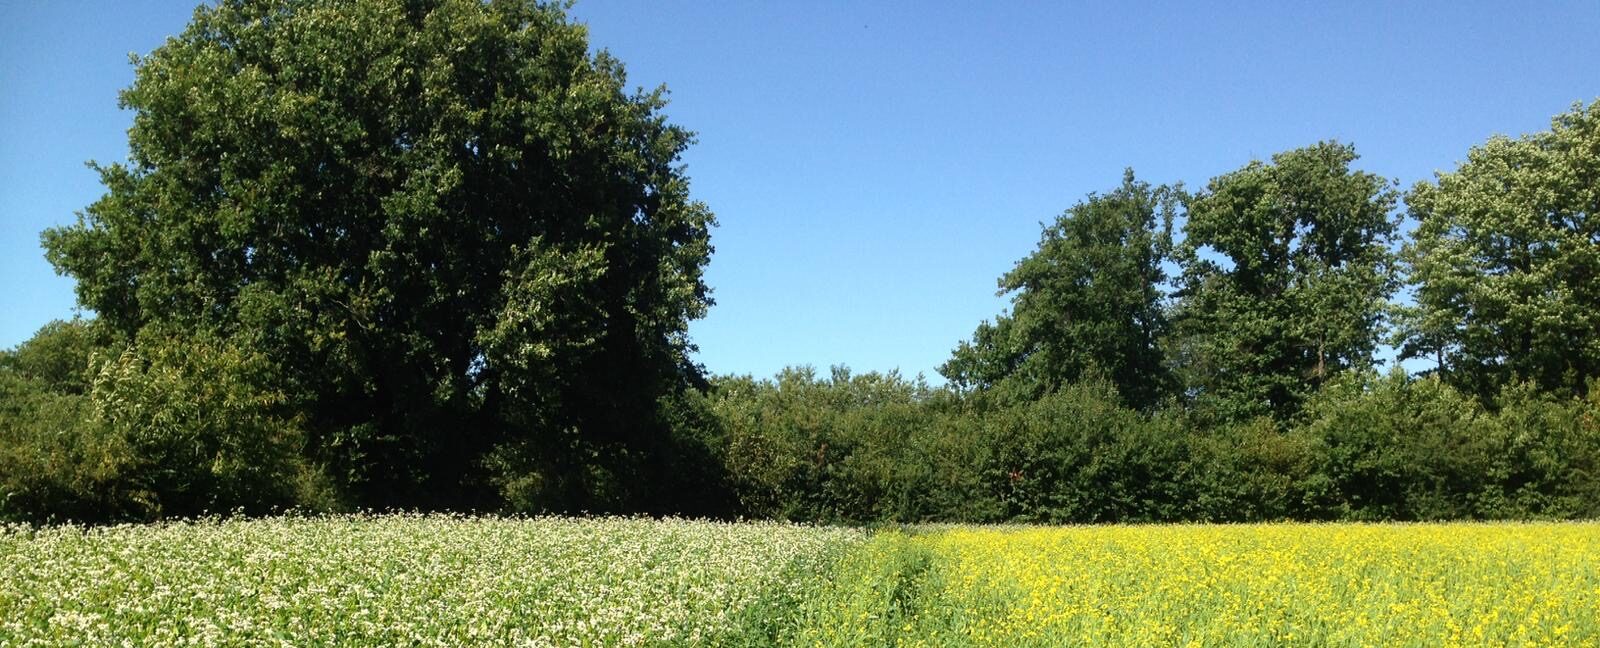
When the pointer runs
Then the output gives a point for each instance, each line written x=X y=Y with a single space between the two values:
x=54 y=465
x=1253 y=471
x=57 y=356
x=1546 y=456
x=166 y=428
x=1078 y=455
x=836 y=449
x=205 y=425
x=1395 y=448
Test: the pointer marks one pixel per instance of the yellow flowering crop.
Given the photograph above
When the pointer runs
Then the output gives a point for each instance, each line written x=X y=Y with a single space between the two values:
x=1260 y=585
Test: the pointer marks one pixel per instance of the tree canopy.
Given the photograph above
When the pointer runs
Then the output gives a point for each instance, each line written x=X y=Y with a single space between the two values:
x=1287 y=271
x=1086 y=303
x=453 y=232
x=1506 y=260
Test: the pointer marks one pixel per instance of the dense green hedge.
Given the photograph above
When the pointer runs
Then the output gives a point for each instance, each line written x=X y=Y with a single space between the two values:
x=151 y=432
x=873 y=447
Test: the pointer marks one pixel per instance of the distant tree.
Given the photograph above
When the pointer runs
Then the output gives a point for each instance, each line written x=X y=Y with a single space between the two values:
x=460 y=238
x=1506 y=261
x=1087 y=302
x=58 y=355
x=1287 y=269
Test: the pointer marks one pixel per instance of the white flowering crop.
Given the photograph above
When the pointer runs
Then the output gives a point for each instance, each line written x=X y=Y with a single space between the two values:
x=412 y=580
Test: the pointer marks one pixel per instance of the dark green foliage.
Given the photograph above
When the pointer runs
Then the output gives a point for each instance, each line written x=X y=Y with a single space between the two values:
x=57 y=356
x=201 y=427
x=1395 y=448
x=808 y=449
x=53 y=464
x=457 y=238
x=1506 y=259
x=1087 y=303
x=1253 y=470
x=1547 y=454
x=1077 y=455
x=681 y=471
x=1286 y=271
x=876 y=448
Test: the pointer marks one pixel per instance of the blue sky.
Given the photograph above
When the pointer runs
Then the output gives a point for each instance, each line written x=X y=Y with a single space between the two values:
x=876 y=166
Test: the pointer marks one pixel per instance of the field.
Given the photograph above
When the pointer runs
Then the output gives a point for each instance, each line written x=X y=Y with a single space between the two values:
x=450 y=580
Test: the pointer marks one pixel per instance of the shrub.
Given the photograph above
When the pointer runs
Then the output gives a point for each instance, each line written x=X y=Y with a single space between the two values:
x=1078 y=455
x=166 y=428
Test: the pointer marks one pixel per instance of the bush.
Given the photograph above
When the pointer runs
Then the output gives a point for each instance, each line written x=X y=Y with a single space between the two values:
x=801 y=448
x=57 y=356
x=1254 y=471
x=167 y=428
x=1396 y=448
x=878 y=448
x=1078 y=455
x=1546 y=455
x=54 y=464
x=207 y=428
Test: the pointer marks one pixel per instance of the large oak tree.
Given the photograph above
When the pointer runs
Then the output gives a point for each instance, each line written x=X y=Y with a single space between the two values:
x=459 y=238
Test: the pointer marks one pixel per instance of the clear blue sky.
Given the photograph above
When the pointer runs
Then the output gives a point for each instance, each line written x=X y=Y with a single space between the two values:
x=876 y=166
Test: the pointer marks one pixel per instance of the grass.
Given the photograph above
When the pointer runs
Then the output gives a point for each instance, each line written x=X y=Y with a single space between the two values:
x=431 y=580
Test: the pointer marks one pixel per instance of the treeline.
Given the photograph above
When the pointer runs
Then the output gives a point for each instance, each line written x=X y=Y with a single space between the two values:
x=1244 y=385
x=461 y=277
x=875 y=447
